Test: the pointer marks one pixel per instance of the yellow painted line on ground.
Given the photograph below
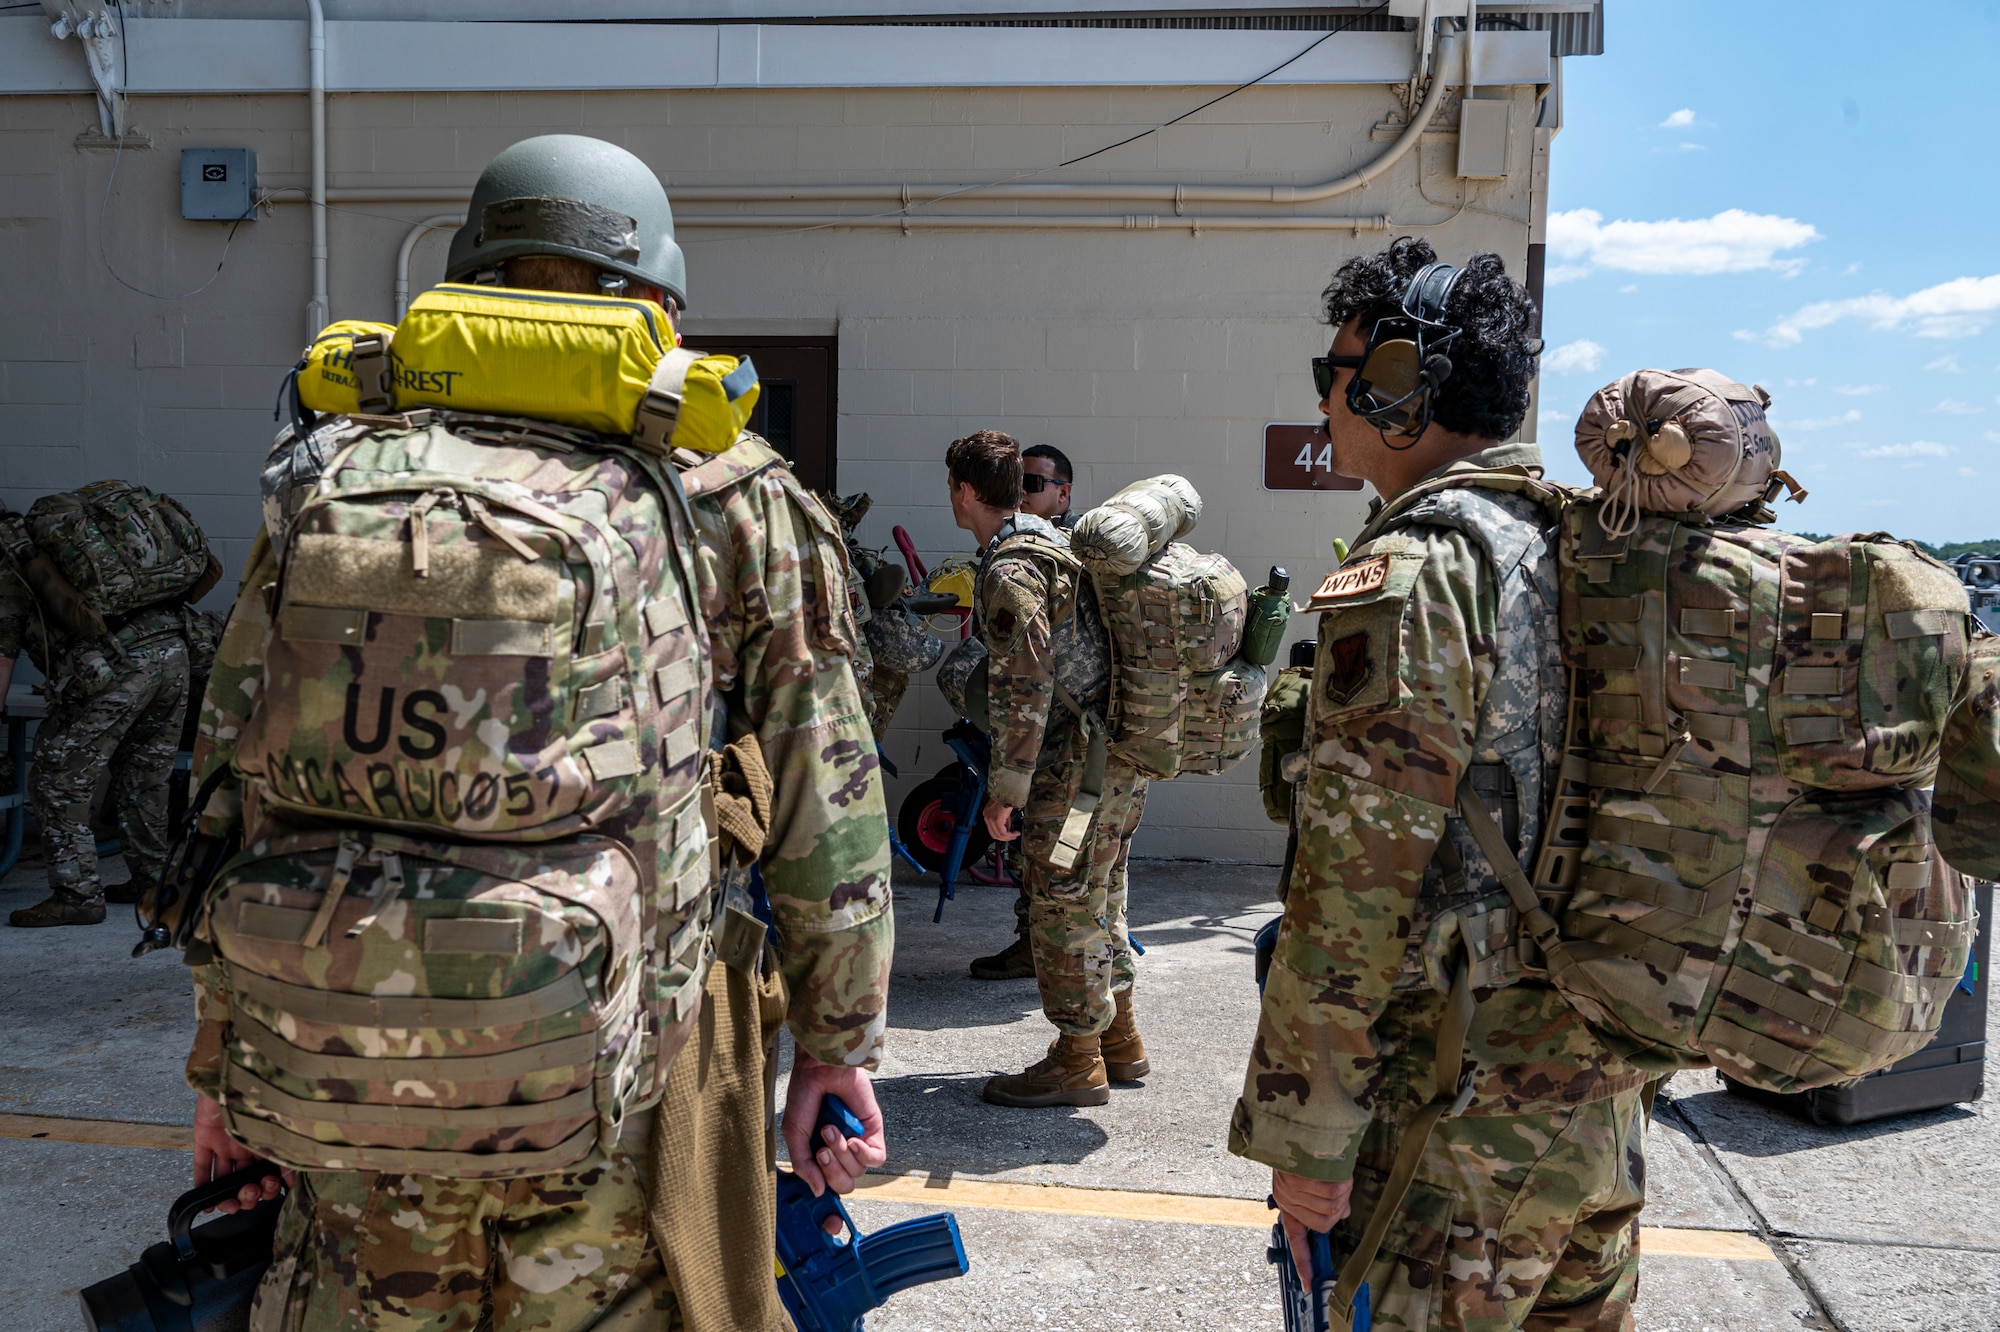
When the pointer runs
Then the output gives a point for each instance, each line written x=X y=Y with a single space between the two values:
x=1186 y=1209
x=97 y=1132
x=1674 y=1242
x=1198 y=1210
x=1118 y=1204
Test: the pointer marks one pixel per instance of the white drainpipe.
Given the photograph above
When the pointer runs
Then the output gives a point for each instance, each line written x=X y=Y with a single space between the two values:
x=417 y=233
x=319 y=313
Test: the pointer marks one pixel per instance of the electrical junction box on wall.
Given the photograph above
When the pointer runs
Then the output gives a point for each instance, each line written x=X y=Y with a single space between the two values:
x=217 y=184
x=1482 y=138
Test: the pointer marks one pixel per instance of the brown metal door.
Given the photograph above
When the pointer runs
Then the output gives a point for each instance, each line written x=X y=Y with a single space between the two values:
x=796 y=401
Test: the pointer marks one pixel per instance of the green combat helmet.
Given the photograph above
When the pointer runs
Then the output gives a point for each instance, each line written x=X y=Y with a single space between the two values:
x=568 y=195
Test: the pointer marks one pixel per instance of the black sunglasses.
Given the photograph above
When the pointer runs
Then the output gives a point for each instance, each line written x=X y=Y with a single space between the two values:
x=1324 y=366
x=1032 y=484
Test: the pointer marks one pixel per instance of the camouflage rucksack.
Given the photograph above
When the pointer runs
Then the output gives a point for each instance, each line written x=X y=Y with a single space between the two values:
x=477 y=933
x=1741 y=845
x=1182 y=700
x=1737 y=864
x=122 y=546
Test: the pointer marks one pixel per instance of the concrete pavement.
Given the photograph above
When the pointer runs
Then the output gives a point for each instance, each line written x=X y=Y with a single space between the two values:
x=1877 y=1227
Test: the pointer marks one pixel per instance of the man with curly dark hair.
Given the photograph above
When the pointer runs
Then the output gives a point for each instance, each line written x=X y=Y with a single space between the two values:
x=1416 y=1089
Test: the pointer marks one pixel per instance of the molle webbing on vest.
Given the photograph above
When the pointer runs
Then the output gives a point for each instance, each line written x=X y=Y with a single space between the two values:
x=281 y=1144
x=571 y=1052
x=362 y=1010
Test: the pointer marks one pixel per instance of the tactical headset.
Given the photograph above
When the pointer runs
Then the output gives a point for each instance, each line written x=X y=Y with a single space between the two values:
x=1397 y=377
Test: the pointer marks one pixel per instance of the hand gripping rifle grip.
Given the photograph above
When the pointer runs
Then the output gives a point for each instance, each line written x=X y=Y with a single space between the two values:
x=828 y=1284
x=1307 y=1307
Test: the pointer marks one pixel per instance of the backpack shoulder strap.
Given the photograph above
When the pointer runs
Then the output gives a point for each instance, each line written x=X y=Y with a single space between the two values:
x=705 y=473
x=1552 y=496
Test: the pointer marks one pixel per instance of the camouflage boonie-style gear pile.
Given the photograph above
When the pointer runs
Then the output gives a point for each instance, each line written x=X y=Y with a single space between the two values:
x=481 y=631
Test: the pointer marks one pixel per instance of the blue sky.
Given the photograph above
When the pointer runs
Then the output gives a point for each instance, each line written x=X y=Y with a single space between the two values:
x=1801 y=195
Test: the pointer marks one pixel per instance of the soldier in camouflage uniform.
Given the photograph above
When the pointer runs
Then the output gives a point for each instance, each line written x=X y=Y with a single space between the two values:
x=573 y=1249
x=1037 y=617
x=1046 y=480
x=117 y=705
x=1438 y=654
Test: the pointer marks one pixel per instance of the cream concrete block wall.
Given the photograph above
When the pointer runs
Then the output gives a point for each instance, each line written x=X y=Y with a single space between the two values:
x=1135 y=352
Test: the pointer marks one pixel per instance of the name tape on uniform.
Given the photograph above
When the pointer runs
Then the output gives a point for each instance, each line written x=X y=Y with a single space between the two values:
x=1354 y=580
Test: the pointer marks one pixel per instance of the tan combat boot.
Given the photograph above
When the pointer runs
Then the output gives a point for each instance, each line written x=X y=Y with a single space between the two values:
x=1072 y=1073
x=60 y=910
x=1124 y=1053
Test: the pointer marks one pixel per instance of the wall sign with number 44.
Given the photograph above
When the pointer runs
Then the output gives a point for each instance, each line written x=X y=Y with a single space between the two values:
x=1299 y=456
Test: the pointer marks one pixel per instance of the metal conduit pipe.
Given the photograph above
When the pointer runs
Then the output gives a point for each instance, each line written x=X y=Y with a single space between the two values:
x=1449 y=50
x=417 y=233
x=318 y=314
x=1024 y=222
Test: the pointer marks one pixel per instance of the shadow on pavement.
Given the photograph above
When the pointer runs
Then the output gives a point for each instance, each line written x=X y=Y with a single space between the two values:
x=1748 y=1126
x=943 y=1126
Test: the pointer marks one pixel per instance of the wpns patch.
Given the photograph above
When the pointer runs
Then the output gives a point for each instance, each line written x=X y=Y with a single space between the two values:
x=1354 y=580
x=1348 y=668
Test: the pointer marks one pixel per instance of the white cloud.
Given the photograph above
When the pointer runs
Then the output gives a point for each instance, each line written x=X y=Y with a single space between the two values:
x=1628 y=289
x=1565 y=273
x=1993 y=437
x=1680 y=119
x=1916 y=448
x=1947 y=363
x=1552 y=414
x=1848 y=417
x=1732 y=241
x=1967 y=471
x=1579 y=357
x=1955 y=309
x=1954 y=407
x=1860 y=390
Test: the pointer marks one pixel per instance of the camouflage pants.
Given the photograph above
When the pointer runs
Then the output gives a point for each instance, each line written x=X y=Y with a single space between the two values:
x=132 y=727
x=1076 y=918
x=410 y=1253
x=1514 y=1221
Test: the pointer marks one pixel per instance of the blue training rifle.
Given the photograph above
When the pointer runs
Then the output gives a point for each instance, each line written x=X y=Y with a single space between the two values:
x=829 y=1282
